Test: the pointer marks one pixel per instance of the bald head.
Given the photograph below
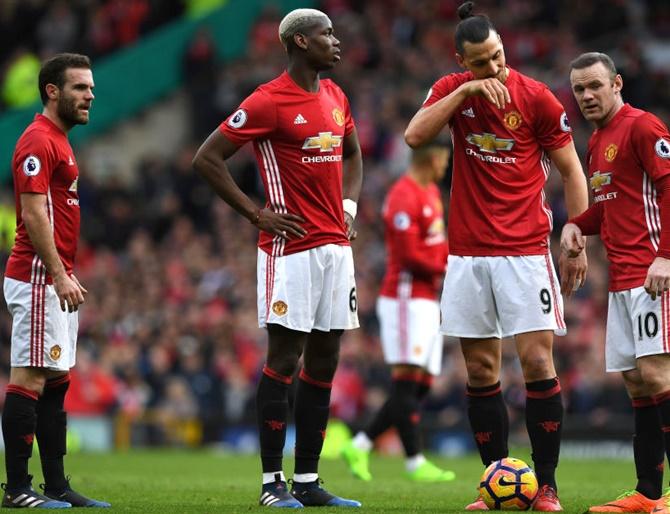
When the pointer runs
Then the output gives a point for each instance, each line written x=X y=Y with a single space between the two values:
x=299 y=21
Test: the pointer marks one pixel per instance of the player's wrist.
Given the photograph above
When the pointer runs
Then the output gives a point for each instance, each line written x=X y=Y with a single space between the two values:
x=255 y=218
x=350 y=207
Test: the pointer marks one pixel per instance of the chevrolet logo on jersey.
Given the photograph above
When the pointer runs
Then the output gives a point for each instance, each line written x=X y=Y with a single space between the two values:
x=325 y=142
x=598 y=180
x=489 y=142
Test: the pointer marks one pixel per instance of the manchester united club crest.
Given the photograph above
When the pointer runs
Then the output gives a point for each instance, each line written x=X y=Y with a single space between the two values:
x=279 y=308
x=610 y=152
x=55 y=352
x=513 y=120
x=338 y=116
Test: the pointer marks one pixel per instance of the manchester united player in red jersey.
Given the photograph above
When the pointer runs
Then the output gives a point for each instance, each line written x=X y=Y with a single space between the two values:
x=629 y=171
x=408 y=311
x=303 y=137
x=41 y=291
x=500 y=282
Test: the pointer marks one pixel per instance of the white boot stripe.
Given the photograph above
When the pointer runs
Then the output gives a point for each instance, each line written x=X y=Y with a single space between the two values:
x=274 y=499
x=35 y=502
x=27 y=501
x=19 y=497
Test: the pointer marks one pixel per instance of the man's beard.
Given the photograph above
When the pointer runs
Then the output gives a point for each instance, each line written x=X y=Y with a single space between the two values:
x=67 y=112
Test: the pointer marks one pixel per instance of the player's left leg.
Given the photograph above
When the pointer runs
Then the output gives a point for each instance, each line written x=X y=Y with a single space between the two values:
x=51 y=435
x=312 y=407
x=544 y=412
x=655 y=371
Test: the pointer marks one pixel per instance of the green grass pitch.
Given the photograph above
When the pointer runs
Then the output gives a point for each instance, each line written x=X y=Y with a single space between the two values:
x=201 y=482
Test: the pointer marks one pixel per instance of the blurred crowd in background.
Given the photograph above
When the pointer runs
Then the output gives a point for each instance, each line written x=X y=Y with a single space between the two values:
x=169 y=329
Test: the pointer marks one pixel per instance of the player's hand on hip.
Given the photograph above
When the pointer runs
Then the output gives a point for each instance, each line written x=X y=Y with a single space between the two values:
x=70 y=292
x=284 y=225
x=658 y=277
x=349 y=222
x=572 y=240
x=491 y=89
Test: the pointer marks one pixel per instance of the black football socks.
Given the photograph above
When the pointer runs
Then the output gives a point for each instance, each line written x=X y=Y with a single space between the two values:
x=51 y=432
x=544 y=421
x=312 y=406
x=272 y=415
x=19 y=419
x=489 y=421
x=648 y=448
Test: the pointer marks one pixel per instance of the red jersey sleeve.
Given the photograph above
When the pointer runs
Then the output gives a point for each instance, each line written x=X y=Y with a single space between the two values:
x=444 y=86
x=550 y=122
x=405 y=237
x=663 y=187
x=348 y=118
x=256 y=117
x=590 y=220
x=34 y=163
x=651 y=141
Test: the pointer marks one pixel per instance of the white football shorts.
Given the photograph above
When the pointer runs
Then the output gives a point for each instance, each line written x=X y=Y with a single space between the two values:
x=410 y=332
x=310 y=290
x=43 y=335
x=501 y=296
x=636 y=326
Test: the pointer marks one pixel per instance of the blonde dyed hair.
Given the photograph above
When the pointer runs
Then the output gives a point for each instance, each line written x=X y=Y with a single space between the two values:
x=297 y=21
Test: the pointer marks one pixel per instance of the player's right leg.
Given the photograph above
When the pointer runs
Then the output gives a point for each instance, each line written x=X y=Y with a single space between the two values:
x=486 y=408
x=19 y=420
x=469 y=312
x=272 y=409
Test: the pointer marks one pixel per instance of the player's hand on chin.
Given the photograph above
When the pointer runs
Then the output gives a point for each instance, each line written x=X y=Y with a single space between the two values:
x=284 y=225
x=658 y=277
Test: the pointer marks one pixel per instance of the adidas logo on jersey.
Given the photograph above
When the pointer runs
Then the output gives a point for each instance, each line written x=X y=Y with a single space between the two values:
x=469 y=112
x=299 y=120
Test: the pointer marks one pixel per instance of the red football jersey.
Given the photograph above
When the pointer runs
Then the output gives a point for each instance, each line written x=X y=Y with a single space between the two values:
x=44 y=163
x=625 y=158
x=416 y=246
x=298 y=138
x=500 y=167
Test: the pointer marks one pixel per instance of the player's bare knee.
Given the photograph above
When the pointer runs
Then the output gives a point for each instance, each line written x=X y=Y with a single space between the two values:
x=537 y=367
x=322 y=368
x=482 y=371
x=655 y=373
x=32 y=379
x=635 y=386
x=284 y=364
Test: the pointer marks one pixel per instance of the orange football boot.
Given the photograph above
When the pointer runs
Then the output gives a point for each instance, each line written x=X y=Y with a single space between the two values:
x=630 y=501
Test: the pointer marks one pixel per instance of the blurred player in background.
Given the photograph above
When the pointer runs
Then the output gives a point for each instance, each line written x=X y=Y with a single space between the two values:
x=303 y=136
x=629 y=171
x=500 y=281
x=40 y=289
x=409 y=311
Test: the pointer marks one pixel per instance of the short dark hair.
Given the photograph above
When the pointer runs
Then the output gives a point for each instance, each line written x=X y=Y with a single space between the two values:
x=422 y=154
x=53 y=71
x=473 y=28
x=591 y=58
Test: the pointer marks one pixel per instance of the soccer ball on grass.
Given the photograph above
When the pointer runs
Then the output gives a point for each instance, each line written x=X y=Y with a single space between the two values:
x=508 y=484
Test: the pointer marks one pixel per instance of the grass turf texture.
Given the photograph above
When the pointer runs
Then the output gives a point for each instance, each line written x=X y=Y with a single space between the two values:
x=165 y=482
